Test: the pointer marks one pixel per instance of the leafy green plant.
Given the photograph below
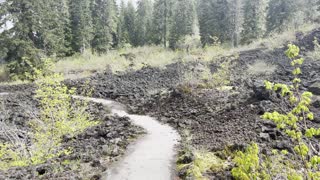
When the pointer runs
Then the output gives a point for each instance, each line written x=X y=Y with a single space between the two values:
x=294 y=121
x=304 y=165
x=252 y=165
x=58 y=117
x=248 y=165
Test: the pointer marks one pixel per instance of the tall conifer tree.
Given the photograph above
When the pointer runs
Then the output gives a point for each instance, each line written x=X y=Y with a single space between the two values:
x=254 y=25
x=81 y=24
x=104 y=25
x=144 y=22
x=183 y=21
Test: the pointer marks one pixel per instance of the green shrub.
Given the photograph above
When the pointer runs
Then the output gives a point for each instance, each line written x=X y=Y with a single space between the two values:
x=293 y=122
x=248 y=165
x=252 y=165
x=28 y=68
x=58 y=117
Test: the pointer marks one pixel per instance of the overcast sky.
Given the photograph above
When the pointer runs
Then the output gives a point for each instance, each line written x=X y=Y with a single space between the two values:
x=119 y=1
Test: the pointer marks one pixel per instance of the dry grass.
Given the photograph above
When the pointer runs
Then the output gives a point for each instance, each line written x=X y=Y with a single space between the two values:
x=261 y=67
x=83 y=65
x=278 y=40
x=315 y=54
x=203 y=162
x=4 y=76
x=117 y=60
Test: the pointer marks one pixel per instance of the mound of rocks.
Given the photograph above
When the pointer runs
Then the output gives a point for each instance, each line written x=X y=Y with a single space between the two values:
x=92 y=150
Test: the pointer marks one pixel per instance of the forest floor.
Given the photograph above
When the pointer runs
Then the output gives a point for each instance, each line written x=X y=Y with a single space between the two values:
x=182 y=94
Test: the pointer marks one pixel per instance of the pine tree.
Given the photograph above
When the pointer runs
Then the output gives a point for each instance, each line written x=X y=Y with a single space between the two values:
x=215 y=21
x=280 y=15
x=104 y=25
x=144 y=22
x=53 y=20
x=235 y=17
x=204 y=15
x=122 y=33
x=254 y=20
x=21 y=38
x=183 y=21
x=38 y=26
x=162 y=21
x=81 y=24
x=130 y=23
x=38 y=31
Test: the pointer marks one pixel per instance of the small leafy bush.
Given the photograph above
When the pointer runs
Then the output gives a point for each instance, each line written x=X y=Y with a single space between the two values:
x=252 y=165
x=305 y=161
x=294 y=121
x=58 y=117
x=248 y=166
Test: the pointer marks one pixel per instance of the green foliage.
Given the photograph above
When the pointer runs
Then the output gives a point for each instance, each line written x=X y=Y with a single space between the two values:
x=144 y=22
x=29 y=69
x=248 y=165
x=81 y=24
x=222 y=76
x=294 y=123
x=183 y=21
x=58 y=117
x=252 y=165
x=254 y=20
x=104 y=25
x=162 y=21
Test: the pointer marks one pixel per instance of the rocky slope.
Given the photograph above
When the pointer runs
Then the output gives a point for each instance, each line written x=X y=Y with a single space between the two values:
x=92 y=151
x=215 y=118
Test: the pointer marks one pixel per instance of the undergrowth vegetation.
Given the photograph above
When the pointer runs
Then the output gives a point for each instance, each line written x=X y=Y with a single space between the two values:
x=86 y=63
x=59 y=116
x=195 y=163
x=304 y=163
x=315 y=54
